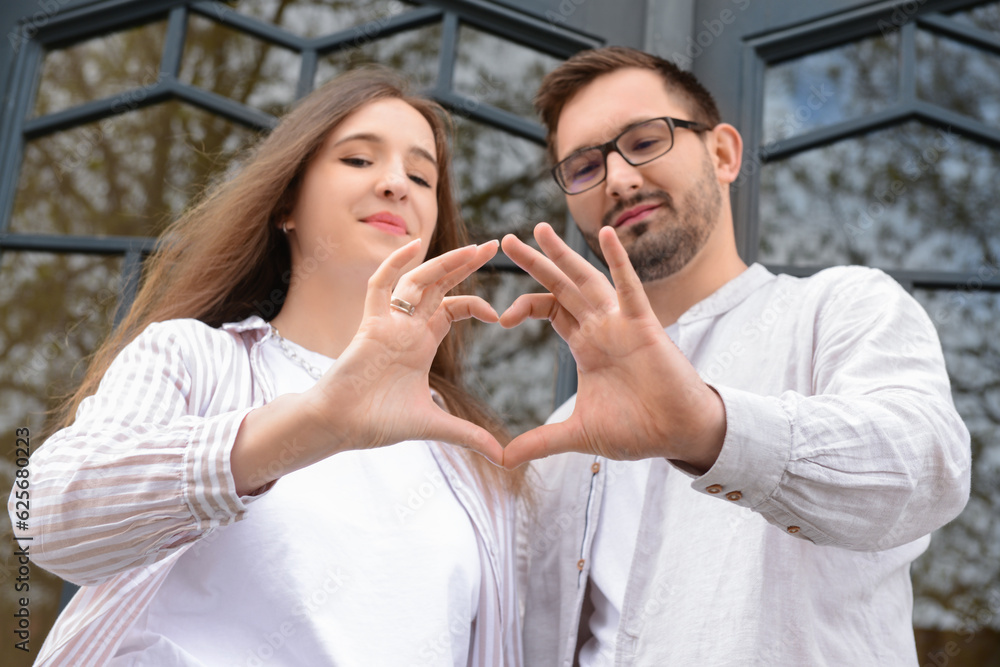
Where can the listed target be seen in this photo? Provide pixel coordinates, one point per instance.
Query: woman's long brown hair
(226, 259)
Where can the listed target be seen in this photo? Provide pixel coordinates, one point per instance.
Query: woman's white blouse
(378, 557)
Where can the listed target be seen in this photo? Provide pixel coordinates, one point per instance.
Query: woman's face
(370, 189)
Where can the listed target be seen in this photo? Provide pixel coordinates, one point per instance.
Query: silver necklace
(314, 372)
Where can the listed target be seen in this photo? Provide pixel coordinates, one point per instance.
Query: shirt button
(596, 468)
(715, 488)
(734, 496)
(579, 564)
(793, 529)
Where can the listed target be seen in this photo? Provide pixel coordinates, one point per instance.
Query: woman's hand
(377, 393)
(380, 382)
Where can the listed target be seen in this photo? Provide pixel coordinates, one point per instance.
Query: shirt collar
(729, 295)
(253, 323)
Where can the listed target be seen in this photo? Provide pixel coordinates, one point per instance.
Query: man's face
(663, 211)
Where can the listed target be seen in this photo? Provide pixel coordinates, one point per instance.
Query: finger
(544, 270)
(454, 431)
(456, 308)
(412, 285)
(591, 282)
(382, 281)
(434, 293)
(537, 444)
(465, 306)
(539, 307)
(632, 299)
(529, 306)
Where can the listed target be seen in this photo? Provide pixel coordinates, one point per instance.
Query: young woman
(222, 488)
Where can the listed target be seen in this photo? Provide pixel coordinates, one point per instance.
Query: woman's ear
(727, 152)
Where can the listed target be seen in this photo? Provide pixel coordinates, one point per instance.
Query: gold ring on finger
(402, 305)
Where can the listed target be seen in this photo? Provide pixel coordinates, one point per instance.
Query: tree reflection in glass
(125, 175)
(910, 197)
(957, 582)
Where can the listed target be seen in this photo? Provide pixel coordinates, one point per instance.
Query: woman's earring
(284, 227)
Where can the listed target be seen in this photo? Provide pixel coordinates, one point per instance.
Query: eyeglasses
(638, 144)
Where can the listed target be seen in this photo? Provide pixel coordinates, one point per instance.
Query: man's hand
(638, 396)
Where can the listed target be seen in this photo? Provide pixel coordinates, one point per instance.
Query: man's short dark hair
(565, 81)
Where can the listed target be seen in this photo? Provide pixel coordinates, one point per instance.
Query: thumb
(537, 444)
(454, 431)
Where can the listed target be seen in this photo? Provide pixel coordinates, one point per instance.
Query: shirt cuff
(755, 451)
(209, 488)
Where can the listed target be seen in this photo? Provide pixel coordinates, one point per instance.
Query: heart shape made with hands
(637, 396)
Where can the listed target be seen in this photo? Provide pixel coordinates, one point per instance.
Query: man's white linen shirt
(843, 451)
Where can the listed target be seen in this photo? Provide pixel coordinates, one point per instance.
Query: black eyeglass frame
(609, 146)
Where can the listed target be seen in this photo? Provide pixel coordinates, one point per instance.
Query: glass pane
(503, 183)
(910, 197)
(830, 86)
(986, 17)
(54, 310)
(413, 52)
(514, 370)
(496, 71)
(311, 18)
(235, 65)
(955, 584)
(126, 175)
(958, 77)
(100, 67)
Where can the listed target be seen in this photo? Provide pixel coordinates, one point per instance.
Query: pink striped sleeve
(144, 468)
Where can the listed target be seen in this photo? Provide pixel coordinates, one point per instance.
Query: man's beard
(665, 250)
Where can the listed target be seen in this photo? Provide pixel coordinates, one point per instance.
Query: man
(751, 462)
